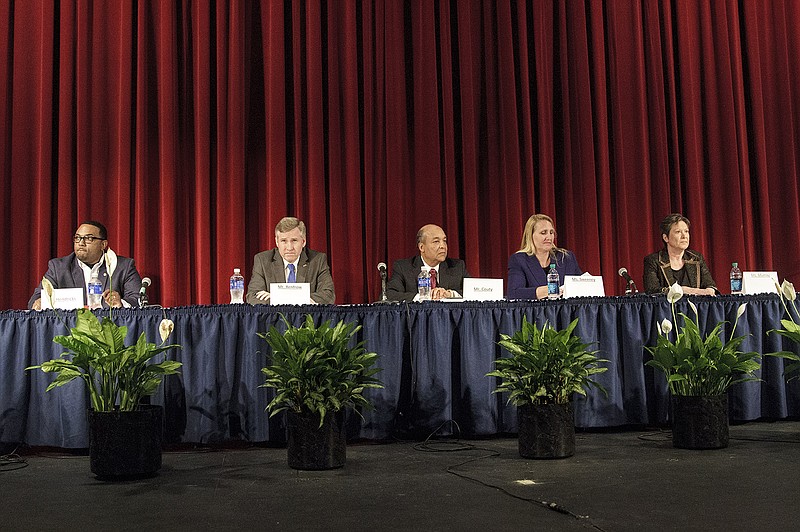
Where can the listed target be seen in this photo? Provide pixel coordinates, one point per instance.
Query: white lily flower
(740, 310)
(694, 309)
(47, 287)
(47, 290)
(165, 329)
(665, 326)
(675, 293)
(787, 289)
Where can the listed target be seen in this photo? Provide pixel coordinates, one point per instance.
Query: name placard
(289, 293)
(759, 283)
(64, 298)
(585, 285)
(477, 289)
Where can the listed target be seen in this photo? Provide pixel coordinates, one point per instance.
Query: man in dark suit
(290, 262)
(91, 255)
(449, 273)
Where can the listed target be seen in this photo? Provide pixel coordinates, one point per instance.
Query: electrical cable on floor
(666, 435)
(545, 504)
(457, 445)
(444, 446)
(656, 435)
(12, 461)
(763, 440)
(194, 449)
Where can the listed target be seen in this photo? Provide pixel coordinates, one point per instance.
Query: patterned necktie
(433, 278)
(291, 278)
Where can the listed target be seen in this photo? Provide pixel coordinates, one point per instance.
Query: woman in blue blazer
(528, 267)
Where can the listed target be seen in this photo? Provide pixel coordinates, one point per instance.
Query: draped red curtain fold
(191, 127)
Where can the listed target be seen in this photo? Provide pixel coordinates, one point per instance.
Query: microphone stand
(382, 271)
(384, 299)
(143, 302)
(630, 288)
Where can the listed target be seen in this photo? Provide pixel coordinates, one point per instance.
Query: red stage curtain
(191, 127)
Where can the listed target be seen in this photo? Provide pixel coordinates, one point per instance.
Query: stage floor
(617, 481)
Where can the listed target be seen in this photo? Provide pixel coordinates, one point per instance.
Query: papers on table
(289, 293)
(586, 285)
(64, 298)
(759, 283)
(477, 289)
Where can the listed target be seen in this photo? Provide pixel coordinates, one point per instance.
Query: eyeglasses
(86, 238)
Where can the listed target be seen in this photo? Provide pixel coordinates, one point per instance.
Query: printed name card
(64, 298)
(289, 293)
(759, 283)
(476, 289)
(585, 285)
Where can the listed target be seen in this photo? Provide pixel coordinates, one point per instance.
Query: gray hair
(288, 223)
(424, 231)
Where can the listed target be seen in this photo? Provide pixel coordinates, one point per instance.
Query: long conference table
(434, 357)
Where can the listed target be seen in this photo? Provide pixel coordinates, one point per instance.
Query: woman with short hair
(676, 263)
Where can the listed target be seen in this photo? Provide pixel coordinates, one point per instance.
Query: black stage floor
(624, 480)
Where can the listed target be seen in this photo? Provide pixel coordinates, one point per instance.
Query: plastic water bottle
(736, 279)
(424, 285)
(95, 292)
(237, 286)
(553, 282)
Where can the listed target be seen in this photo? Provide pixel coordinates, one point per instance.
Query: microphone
(145, 283)
(143, 292)
(382, 271)
(631, 286)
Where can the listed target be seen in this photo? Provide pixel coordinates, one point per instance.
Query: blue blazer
(525, 274)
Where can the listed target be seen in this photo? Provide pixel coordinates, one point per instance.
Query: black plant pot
(312, 447)
(126, 444)
(700, 422)
(546, 431)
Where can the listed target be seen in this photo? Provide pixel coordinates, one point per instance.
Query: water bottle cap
(735, 264)
(236, 270)
(552, 266)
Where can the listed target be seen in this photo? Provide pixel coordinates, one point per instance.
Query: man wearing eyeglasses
(91, 255)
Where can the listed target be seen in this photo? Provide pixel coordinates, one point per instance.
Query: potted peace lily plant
(699, 372)
(791, 329)
(124, 435)
(317, 372)
(545, 369)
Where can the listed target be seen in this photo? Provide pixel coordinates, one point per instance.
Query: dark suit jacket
(403, 284)
(658, 273)
(525, 274)
(312, 267)
(64, 272)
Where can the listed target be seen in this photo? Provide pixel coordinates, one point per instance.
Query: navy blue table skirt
(434, 357)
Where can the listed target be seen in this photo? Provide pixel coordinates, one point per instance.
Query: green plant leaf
(318, 369)
(694, 364)
(116, 375)
(545, 365)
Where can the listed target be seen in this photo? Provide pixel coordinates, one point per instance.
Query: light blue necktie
(291, 278)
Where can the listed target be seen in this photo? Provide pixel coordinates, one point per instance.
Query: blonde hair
(527, 246)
